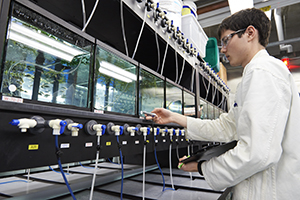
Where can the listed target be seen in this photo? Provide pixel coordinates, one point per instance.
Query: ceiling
(212, 12)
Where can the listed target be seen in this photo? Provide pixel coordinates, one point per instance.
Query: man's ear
(251, 32)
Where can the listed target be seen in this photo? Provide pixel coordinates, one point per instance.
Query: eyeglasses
(225, 40)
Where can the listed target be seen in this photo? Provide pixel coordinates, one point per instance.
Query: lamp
(37, 40)
(116, 72)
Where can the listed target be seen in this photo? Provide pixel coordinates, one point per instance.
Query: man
(265, 164)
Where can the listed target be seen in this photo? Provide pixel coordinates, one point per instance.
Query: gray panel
(179, 172)
(155, 192)
(178, 181)
(21, 188)
(57, 177)
(90, 170)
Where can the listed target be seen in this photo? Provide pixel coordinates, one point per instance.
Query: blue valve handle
(15, 122)
(121, 130)
(157, 131)
(80, 126)
(148, 131)
(174, 132)
(103, 129)
(180, 133)
(62, 124)
(135, 129)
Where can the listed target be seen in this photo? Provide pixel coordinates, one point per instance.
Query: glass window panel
(203, 109)
(151, 91)
(189, 104)
(115, 88)
(42, 64)
(173, 98)
(210, 111)
(217, 113)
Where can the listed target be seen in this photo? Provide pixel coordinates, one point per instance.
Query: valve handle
(148, 131)
(80, 126)
(121, 130)
(15, 122)
(103, 129)
(62, 124)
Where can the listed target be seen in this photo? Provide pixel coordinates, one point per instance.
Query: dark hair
(245, 18)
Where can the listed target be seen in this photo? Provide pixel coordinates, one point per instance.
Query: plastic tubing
(91, 15)
(95, 169)
(192, 80)
(122, 171)
(188, 151)
(123, 28)
(144, 168)
(61, 169)
(164, 59)
(182, 69)
(170, 163)
(158, 51)
(162, 175)
(83, 12)
(140, 34)
(176, 62)
(207, 91)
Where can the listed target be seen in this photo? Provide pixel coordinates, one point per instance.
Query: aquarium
(173, 98)
(151, 91)
(203, 109)
(189, 104)
(210, 112)
(217, 113)
(115, 85)
(44, 61)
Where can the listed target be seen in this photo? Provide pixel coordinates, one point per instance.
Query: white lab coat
(265, 121)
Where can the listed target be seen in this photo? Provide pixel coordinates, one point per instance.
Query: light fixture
(116, 72)
(37, 40)
(237, 5)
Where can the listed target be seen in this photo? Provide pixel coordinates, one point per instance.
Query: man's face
(233, 47)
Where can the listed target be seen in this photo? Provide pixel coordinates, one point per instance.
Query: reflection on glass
(151, 92)
(217, 113)
(40, 65)
(189, 104)
(203, 109)
(210, 111)
(115, 88)
(173, 98)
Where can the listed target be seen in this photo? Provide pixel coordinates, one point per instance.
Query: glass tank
(173, 98)
(116, 78)
(217, 113)
(43, 63)
(210, 112)
(203, 109)
(189, 105)
(151, 91)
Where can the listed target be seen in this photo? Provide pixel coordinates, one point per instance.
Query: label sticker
(164, 140)
(12, 99)
(65, 145)
(108, 143)
(137, 142)
(99, 111)
(88, 144)
(124, 142)
(33, 147)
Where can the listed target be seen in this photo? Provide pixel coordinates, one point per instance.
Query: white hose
(144, 168)
(95, 169)
(188, 149)
(83, 12)
(123, 28)
(170, 163)
(91, 15)
(163, 63)
(141, 31)
(182, 69)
